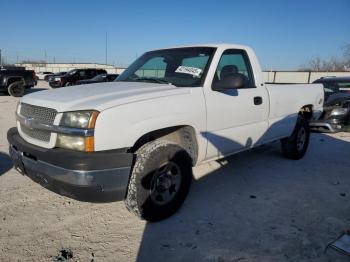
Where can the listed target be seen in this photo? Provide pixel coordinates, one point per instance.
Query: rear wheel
(295, 146)
(160, 180)
(16, 89)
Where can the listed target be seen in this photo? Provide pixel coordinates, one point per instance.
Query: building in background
(65, 67)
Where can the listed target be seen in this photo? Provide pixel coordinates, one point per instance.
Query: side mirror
(235, 81)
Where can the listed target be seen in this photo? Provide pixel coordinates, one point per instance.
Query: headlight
(339, 111)
(79, 143)
(57, 79)
(79, 119)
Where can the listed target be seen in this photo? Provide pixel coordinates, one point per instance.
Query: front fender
(122, 126)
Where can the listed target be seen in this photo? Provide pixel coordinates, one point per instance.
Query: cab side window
(82, 73)
(234, 62)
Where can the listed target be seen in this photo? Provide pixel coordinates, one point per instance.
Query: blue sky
(284, 34)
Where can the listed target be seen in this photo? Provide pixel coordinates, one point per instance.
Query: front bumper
(325, 127)
(330, 124)
(55, 84)
(92, 177)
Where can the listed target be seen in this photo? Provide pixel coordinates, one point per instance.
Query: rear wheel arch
(306, 112)
(13, 79)
(185, 136)
(295, 146)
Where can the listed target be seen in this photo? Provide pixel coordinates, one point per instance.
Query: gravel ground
(255, 206)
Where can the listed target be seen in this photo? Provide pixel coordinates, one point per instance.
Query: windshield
(72, 72)
(179, 66)
(99, 77)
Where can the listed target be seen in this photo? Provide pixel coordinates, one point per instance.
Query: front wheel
(160, 180)
(295, 146)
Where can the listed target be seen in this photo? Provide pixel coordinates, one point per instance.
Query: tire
(295, 146)
(16, 89)
(68, 84)
(160, 180)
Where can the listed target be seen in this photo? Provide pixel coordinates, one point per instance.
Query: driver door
(236, 118)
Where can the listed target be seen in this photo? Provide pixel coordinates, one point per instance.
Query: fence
(298, 77)
(64, 67)
(268, 76)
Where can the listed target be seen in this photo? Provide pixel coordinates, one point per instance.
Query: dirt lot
(255, 206)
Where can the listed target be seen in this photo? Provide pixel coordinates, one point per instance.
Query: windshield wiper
(151, 79)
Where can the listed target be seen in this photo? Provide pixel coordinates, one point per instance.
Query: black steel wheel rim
(165, 184)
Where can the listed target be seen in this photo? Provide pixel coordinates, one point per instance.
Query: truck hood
(337, 99)
(101, 96)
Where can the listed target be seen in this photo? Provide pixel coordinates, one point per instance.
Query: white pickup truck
(136, 139)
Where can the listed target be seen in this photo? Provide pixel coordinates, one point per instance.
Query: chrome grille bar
(32, 123)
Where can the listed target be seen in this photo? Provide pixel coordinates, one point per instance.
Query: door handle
(258, 100)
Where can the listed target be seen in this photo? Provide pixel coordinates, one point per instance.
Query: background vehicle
(51, 77)
(15, 81)
(336, 114)
(137, 138)
(75, 75)
(42, 75)
(98, 79)
(46, 78)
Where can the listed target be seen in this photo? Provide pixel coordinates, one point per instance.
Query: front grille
(43, 115)
(42, 135)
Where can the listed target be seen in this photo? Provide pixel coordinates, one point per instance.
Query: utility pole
(0, 59)
(106, 49)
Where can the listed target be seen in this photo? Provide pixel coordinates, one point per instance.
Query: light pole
(0, 59)
(106, 49)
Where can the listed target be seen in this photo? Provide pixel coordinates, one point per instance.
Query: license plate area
(17, 161)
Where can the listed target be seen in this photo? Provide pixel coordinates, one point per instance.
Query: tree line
(331, 64)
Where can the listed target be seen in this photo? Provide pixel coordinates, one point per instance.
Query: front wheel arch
(184, 136)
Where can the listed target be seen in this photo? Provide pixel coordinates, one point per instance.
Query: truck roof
(222, 45)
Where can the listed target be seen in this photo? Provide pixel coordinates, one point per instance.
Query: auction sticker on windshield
(189, 70)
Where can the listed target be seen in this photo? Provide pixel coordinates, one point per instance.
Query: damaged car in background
(336, 109)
